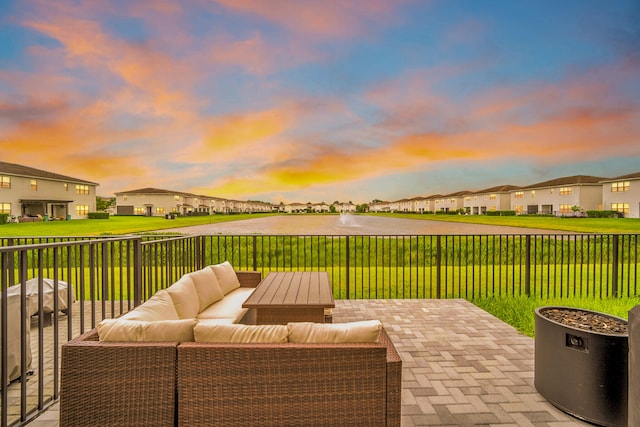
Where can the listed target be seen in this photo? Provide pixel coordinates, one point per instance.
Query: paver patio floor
(461, 365)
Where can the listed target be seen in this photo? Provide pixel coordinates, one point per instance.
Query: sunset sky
(300, 101)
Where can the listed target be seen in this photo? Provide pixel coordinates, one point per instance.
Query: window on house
(519, 194)
(82, 189)
(160, 211)
(5, 181)
(66, 186)
(34, 184)
(518, 209)
(492, 208)
(176, 198)
(467, 199)
(565, 208)
(492, 196)
(82, 210)
(533, 193)
(565, 191)
(5, 208)
(620, 207)
(617, 187)
(124, 197)
(139, 211)
(551, 191)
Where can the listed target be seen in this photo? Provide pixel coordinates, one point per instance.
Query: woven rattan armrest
(249, 279)
(117, 383)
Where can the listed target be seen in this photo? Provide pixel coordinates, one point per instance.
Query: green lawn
(115, 225)
(578, 225)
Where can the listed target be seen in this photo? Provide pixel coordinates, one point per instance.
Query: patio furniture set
(225, 348)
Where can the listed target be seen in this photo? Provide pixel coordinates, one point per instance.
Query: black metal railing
(109, 276)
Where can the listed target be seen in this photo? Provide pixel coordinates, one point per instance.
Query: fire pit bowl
(581, 363)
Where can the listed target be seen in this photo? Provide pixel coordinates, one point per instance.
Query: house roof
(627, 176)
(498, 189)
(150, 190)
(26, 171)
(567, 180)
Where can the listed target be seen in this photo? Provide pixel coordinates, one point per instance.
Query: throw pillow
(227, 277)
(185, 297)
(207, 287)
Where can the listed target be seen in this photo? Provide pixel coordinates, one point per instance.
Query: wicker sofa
(184, 383)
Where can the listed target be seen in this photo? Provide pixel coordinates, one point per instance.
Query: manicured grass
(115, 225)
(518, 311)
(578, 225)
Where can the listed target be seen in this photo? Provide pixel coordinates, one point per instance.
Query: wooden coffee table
(284, 297)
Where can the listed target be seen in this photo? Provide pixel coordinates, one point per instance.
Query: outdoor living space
(461, 365)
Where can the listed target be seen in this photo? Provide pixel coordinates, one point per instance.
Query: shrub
(603, 214)
(492, 213)
(98, 215)
(4, 218)
(507, 213)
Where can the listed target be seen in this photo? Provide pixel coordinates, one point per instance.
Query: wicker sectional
(222, 384)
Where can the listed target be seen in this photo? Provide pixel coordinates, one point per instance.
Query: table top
(292, 289)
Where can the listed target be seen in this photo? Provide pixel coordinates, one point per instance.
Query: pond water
(350, 225)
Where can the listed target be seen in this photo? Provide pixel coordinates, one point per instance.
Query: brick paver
(461, 366)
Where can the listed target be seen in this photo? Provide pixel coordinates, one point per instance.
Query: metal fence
(110, 276)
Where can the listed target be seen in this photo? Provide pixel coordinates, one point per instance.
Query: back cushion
(227, 277)
(352, 332)
(140, 330)
(207, 287)
(212, 331)
(158, 307)
(185, 298)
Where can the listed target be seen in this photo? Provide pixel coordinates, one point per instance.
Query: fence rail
(110, 276)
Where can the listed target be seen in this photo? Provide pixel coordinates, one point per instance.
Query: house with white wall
(152, 202)
(27, 192)
(622, 194)
(496, 198)
(559, 196)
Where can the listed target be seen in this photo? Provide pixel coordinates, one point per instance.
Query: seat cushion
(351, 332)
(140, 330)
(229, 307)
(227, 277)
(158, 307)
(206, 331)
(185, 297)
(207, 287)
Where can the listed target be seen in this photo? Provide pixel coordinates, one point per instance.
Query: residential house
(622, 194)
(490, 199)
(26, 192)
(560, 196)
(153, 202)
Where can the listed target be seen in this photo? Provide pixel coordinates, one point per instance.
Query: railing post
(527, 266)
(438, 266)
(347, 267)
(614, 265)
(137, 272)
(255, 253)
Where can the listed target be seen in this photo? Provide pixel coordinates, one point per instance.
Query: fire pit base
(582, 372)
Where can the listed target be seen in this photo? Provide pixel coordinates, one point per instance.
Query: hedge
(603, 214)
(4, 218)
(98, 215)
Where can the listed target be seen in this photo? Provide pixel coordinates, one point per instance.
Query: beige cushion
(227, 277)
(207, 287)
(212, 332)
(229, 307)
(185, 298)
(158, 307)
(307, 332)
(140, 330)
